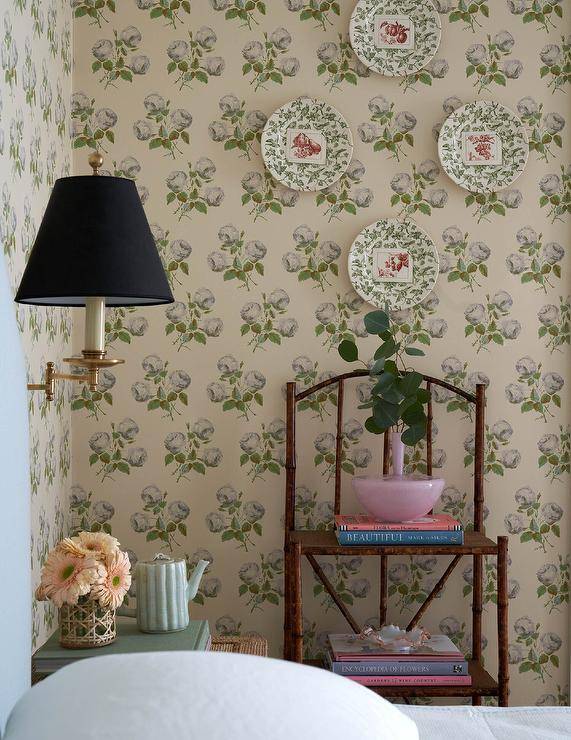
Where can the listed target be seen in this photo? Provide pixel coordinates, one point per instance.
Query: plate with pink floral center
(307, 144)
(483, 146)
(395, 37)
(394, 263)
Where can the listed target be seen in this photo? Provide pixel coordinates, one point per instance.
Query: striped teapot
(163, 593)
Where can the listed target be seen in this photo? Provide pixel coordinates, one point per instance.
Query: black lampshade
(94, 240)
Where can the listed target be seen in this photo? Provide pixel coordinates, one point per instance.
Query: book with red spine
(412, 680)
(365, 523)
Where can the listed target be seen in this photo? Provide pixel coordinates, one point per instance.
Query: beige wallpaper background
(164, 459)
(35, 88)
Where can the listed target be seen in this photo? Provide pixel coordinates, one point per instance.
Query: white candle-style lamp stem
(94, 325)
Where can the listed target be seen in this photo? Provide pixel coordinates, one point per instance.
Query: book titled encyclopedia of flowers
(399, 668)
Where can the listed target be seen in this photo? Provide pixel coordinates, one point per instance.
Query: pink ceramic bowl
(397, 498)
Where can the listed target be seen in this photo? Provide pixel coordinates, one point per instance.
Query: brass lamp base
(93, 362)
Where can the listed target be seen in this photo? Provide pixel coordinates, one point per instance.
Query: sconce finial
(95, 161)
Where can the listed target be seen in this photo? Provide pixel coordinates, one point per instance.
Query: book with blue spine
(399, 667)
(416, 537)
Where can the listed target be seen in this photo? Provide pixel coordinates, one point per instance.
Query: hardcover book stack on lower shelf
(432, 529)
(435, 663)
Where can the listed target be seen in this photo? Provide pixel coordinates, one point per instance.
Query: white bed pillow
(202, 696)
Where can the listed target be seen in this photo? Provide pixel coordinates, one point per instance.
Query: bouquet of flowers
(87, 568)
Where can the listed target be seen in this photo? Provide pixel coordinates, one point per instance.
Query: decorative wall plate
(395, 37)
(307, 144)
(393, 262)
(483, 146)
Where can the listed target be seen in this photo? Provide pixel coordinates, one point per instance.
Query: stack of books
(432, 529)
(437, 662)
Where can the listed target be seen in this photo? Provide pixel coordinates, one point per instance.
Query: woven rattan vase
(86, 625)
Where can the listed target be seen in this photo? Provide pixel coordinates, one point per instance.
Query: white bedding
(491, 723)
(217, 696)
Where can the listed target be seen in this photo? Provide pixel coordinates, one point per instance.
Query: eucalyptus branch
(397, 400)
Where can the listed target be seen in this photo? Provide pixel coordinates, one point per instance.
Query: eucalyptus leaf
(414, 351)
(392, 395)
(378, 366)
(414, 414)
(371, 427)
(391, 367)
(387, 349)
(409, 383)
(384, 382)
(376, 322)
(413, 434)
(386, 414)
(348, 351)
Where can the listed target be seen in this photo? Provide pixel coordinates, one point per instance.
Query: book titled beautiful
(412, 680)
(350, 647)
(363, 522)
(420, 537)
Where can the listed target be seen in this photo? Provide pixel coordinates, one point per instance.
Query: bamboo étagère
(310, 544)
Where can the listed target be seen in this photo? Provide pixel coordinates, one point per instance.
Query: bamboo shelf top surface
(482, 685)
(325, 543)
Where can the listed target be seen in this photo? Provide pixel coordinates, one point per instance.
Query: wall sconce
(94, 248)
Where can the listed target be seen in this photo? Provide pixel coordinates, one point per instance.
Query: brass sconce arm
(92, 364)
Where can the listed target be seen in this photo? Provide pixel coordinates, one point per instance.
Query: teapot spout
(194, 580)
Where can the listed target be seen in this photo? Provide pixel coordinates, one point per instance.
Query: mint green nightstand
(51, 656)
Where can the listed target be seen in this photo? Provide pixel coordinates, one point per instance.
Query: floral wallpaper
(35, 88)
(182, 449)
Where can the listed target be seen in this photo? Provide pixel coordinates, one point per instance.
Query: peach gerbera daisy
(66, 577)
(112, 588)
(95, 544)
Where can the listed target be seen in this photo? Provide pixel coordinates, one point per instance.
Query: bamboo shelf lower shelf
(325, 543)
(482, 685)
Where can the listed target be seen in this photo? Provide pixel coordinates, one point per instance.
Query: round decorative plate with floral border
(393, 262)
(483, 146)
(395, 37)
(307, 144)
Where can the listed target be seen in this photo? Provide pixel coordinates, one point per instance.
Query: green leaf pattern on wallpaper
(35, 89)
(182, 448)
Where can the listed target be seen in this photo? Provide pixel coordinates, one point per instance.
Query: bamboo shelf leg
(289, 517)
(477, 607)
(503, 667)
(297, 652)
(288, 587)
(383, 591)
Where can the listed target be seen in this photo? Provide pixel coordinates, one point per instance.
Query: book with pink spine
(365, 523)
(412, 680)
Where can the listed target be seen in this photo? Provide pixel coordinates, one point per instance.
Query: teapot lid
(161, 559)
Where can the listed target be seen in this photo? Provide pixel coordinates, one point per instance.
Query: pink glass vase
(397, 497)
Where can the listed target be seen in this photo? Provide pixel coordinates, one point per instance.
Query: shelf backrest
(293, 397)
